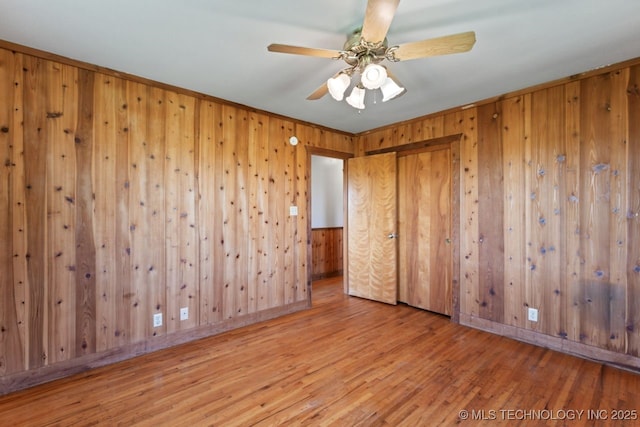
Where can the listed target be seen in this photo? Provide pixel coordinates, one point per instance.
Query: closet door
(424, 228)
(371, 227)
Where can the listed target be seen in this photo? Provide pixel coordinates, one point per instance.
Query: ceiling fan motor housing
(360, 53)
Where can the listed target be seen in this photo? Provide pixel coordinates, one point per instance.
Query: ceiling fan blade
(319, 93)
(308, 51)
(455, 43)
(377, 19)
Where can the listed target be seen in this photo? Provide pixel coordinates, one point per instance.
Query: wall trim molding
(30, 378)
(584, 351)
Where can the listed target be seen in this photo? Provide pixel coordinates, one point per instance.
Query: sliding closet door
(425, 212)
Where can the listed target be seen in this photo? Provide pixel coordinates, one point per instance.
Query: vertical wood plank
(555, 253)
(276, 211)
(228, 196)
(617, 130)
(106, 212)
(173, 210)
(155, 153)
(633, 216)
(219, 179)
(290, 221)
(146, 109)
(60, 110)
(571, 233)
(18, 210)
(302, 232)
(241, 208)
(253, 213)
(431, 127)
(537, 210)
(529, 292)
(262, 224)
(464, 122)
(402, 134)
(490, 214)
(124, 225)
(206, 208)
(35, 150)
(85, 262)
(513, 141)
(12, 345)
(137, 107)
(595, 197)
(181, 244)
(547, 176)
(189, 291)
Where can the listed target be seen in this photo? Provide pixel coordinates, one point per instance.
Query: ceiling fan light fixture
(338, 85)
(356, 99)
(390, 89)
(373, 76)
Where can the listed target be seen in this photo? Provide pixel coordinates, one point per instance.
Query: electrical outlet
(293, 210)
(533, 314)
(184, 313)
(157, 320)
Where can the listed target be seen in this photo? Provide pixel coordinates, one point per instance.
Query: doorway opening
(327, 216)
(327, 202)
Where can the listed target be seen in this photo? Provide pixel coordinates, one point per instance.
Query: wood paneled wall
(327, 247)
(550, 204)
(120, 199)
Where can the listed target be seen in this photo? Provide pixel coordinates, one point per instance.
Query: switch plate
(184, 313)
(157, 320)
(293, 210)
(533, 314)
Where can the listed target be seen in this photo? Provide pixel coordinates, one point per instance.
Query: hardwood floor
(346, 361)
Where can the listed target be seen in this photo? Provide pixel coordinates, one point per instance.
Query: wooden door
(424, 228)
(371, 227)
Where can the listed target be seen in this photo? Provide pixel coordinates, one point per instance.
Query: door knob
(392, 236)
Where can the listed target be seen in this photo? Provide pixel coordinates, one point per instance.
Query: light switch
(293, 210)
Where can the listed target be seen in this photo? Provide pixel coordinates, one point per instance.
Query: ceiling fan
(367, 47)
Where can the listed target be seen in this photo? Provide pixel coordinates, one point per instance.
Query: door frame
(324, 152)
(453, 141)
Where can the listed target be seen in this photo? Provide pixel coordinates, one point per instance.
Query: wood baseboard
(321, 276)
(22, 380)
(619, 360)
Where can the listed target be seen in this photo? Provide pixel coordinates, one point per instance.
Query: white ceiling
(219, 47)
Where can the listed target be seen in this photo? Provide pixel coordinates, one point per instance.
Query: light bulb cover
(356, 99)
(373, 76)
(338, 85)
(390, 89)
